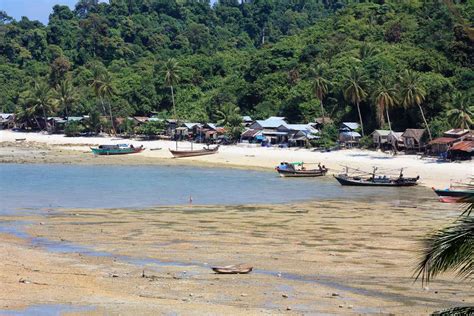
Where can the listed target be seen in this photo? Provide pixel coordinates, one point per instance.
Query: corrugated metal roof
(382, 132)
(442, 140)
(467, 146)
(246, 118)
(414, 133)
(351, 125)
(272, 122)
(352, 134)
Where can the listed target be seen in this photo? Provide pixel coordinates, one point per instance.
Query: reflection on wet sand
(317, 257)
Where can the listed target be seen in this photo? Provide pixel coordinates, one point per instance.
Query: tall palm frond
(65, 96)
(171, 76)
(461, 111)
(354, 90)
(413, 92)
(385, 97)
(451, 248)
(320, 86)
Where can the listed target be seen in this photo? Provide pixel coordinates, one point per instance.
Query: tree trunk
(67, 112)
(360, 118)
(112, 119)
(45, 119)
(424, 120)
(175, 117)
(322, 109)
(388, 119)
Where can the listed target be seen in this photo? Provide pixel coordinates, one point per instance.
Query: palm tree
(385, 97)
(171, 79)
(320, 86)
(65, 96)
(227, 113)
(39, 98)
(96, 83)
(461, 111)
(354, 90)
(101, 82)
(451, 248)
(107, 91)
(412, 92)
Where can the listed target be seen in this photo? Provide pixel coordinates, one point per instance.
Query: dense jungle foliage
(396, 60)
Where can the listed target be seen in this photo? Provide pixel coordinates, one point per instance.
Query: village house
(269, 129)
(441, 145)
(395, 139)
(7, 120)
(413, 139)
(348, 134)
(463, 150)
(380, 138)
(320, 122)
(247, 120)
(298, 135)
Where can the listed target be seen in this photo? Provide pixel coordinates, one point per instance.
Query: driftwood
(233, 269)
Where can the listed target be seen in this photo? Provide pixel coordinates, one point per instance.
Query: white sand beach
(431, 172)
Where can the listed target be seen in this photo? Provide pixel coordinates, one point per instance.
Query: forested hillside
(268, 57)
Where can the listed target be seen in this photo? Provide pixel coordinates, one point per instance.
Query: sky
(34, 9)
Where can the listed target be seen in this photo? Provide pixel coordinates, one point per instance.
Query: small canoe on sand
(233, 269)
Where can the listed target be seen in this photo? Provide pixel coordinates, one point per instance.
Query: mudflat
(331, 257)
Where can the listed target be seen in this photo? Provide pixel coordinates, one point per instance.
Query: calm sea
(36, 186)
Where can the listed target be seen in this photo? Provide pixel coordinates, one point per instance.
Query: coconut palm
(461, 111)
(320, 86)
(171, 79)
(450, 249)
(354, 90)
(96, 83)
(385, 97)
(226, 114)
(39, 98)
(412, 92)
(107, 91)
(65, 96)
(101, 83)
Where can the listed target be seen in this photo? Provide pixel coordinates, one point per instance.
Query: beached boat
(374, 180)
(233, 269)
(454, 194)
(121, 149)
(194, 153)
(297, 169)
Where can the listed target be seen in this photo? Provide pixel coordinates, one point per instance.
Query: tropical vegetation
(404, 62)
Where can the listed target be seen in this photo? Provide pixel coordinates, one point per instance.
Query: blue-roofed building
(348, 134)
(273, 122)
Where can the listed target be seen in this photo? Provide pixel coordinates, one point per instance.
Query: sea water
(35, 186)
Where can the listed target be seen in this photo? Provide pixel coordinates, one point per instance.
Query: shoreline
(42, 148)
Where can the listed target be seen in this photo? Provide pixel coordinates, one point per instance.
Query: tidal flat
(319, 257)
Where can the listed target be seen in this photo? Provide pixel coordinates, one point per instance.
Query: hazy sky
(34, 9)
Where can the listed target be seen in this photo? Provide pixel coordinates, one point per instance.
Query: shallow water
(39, 186)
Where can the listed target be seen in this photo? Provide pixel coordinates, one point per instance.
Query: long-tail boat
(194, 153)
(121, 149)
(374, 180)
(297, 169)
(454, 194)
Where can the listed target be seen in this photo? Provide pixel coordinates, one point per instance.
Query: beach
(61, 149)
(322, 256)
(311, 258)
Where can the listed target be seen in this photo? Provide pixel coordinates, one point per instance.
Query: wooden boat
(373, 180)
(233, 269)
(454, 194)
(121, 149)
(297, 169)
(194, 153)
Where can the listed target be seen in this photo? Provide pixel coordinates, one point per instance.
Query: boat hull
(344, 180)
(119, 151)
(193, 153)
(301, 173)
(453, 193)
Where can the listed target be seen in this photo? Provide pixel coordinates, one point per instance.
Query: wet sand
(328, 257)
